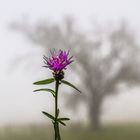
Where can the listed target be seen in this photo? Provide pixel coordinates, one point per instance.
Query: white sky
(17, 102)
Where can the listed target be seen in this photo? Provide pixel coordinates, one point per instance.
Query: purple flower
(58, 60)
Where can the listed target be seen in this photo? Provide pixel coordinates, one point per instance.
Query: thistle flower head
(58, 60)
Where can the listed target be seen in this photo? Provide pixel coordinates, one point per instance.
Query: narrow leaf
(44, 82)
(69, 84)
(46, 89)
(58, 111)
(48, 115)
(61, 122)
(63, 119)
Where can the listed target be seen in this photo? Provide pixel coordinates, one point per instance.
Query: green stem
(56, 125)
(59, 138)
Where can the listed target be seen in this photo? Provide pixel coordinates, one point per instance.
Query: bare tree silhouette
(101, 73)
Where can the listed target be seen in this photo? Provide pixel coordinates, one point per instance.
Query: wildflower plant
(57, 63)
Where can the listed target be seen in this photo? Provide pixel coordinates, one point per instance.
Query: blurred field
(109, 132)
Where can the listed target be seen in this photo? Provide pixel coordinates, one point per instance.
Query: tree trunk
(94, 112)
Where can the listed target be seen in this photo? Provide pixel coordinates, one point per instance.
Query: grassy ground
(110, 132)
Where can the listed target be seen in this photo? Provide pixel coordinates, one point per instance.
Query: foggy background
(91, 29)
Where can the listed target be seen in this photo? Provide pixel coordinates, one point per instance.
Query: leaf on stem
(69, 84)
(46, 89)
(63, 119)
(44, 82)
(61, 122)
(48, 115)
(58, 111)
